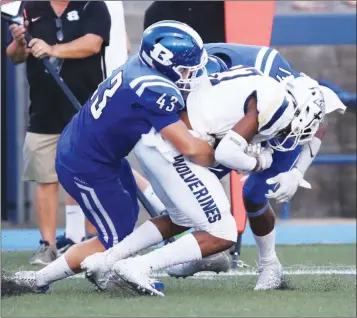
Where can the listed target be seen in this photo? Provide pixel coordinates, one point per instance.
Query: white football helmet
(309, 112)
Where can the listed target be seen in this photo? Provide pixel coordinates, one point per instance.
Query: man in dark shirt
(73, 34)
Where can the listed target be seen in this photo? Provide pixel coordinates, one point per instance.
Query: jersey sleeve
(160, 98)
(274, 110)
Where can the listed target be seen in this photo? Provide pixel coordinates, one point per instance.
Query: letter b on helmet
(161, 54)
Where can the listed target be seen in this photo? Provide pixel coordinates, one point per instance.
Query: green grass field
(321, 282)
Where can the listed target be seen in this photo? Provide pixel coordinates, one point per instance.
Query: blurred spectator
(73, 34)
(206, 17)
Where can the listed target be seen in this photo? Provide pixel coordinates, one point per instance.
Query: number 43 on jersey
(163, 105)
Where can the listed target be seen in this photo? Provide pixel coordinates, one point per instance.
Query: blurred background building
(334, 182)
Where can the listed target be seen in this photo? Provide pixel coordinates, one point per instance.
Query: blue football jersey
(126, 105)
(265, 59)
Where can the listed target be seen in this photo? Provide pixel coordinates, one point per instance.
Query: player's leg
(148, 234)
(90, 229)
(67, 264)
(196, 199)
(75, 226)
(108, 206)
(219, 262)
(64, 266)
(192, 194)
(262, 218)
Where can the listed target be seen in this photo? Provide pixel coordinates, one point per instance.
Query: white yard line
(288, 271)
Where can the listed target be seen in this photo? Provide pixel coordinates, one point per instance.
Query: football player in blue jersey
(141, 95)
(281, 180)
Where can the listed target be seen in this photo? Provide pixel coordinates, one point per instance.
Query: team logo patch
(73, 15)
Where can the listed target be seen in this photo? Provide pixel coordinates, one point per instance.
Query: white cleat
(23, 282)
(98, 271)
(270, 276)
(136, 275)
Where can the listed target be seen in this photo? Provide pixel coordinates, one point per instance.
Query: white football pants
(193, 196)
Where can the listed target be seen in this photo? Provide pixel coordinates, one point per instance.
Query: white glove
(211, 140)
(288, 184)
(265, 159)
(254, 150)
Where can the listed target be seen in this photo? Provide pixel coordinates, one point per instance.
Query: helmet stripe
(276, 115)
(182, 27)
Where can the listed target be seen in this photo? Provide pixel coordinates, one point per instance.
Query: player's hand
(288, 184)
(265, 159)
(254, 149)
(40, 48)
(18, 33)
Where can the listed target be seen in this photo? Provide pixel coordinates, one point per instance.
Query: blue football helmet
(215, 65)
(175, 50)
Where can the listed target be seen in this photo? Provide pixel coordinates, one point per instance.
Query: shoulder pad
(157, 94)
(274, 109)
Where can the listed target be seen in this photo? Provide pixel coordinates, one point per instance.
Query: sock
(154, 200)
(144, 236)
(75, 223)
(185, 249)
(56, 270)
(266, 247)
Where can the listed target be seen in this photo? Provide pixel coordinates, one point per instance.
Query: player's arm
(163, 101)
(197, 150)
(310, 150)
(231, 150)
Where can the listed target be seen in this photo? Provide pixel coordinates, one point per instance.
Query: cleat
(63, 244)
(23, 282)
(98, 271)
(136, 275)
(217, 263)
(270, 276)
(45, 255)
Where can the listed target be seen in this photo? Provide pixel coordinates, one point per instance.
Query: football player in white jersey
(237, 107)
(283, 178)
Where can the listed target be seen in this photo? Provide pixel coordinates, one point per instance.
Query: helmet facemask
(191, 76)
(308, 115)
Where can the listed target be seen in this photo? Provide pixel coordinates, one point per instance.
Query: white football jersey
(220, 101)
